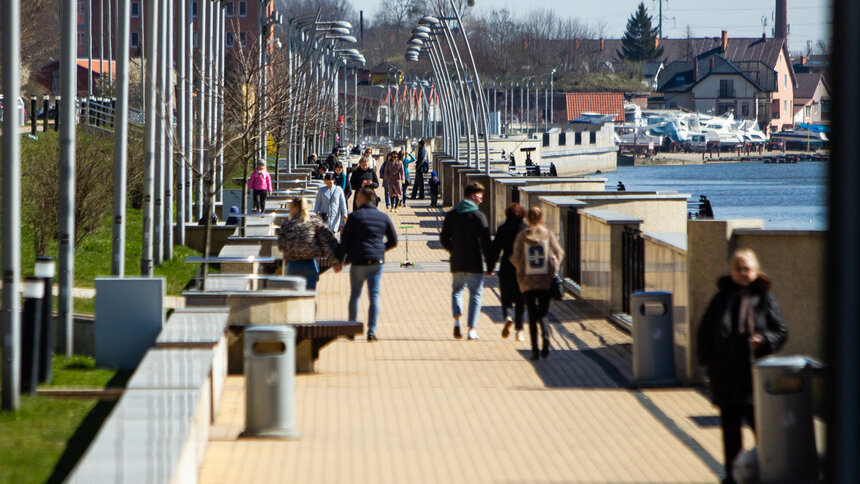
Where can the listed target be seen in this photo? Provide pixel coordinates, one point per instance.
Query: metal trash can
(653, 344)
(270, 382)
(785, 431)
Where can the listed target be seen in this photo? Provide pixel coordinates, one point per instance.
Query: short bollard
(31, 323)
(270, 382)
(44, 270)
(785, 431)
(653, 343)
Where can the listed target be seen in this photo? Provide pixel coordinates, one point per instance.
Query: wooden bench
(311, 338)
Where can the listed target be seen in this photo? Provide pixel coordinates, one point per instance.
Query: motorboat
(802, 137)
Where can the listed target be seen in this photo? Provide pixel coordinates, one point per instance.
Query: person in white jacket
(330, 204)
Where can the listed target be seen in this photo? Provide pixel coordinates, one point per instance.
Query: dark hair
(328, 176)
(472, 189)
(338, 165)
(367, 193)
(516, 211)
(421, 142)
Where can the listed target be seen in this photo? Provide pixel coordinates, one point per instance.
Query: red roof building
(607, 103)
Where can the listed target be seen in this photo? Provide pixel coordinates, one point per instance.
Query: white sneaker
(521, 335)
(473, 334)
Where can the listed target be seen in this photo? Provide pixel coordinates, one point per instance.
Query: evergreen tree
(638, 41)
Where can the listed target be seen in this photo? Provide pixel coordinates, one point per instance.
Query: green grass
(43, 440)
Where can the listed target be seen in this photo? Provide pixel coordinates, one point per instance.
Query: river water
(785, 196)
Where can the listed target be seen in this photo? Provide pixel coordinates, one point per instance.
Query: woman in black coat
(742, 323)
(503, 244)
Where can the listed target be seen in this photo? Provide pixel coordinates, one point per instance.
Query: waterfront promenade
(420, 406)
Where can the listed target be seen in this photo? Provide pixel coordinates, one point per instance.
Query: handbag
(556, 289)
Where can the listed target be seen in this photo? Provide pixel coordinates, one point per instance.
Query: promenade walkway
(420, 406)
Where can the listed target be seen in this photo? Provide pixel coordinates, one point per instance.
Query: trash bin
(270, 381)
(785, 432)
(653, 344)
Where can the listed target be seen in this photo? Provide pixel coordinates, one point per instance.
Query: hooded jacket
(466, 236)
(724, 334)
(537, 256)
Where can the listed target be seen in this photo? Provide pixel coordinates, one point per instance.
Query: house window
(562, 138)
(135, 40)
(727, 88)
(825, 110)
(229, 40)
(243, 39)
(195, 40)
(785, 81)
(592, 137)
(785, 106)
(815, 108)
(808, 110)
(194, 9)
(745, 110)
(228, 10)
(577, 138)
(546, 139)
(135, 9)
(775, 109)
(243, 9)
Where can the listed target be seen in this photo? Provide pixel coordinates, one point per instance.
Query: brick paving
(419, 406)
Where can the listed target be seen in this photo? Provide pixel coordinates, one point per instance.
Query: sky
(809, 20)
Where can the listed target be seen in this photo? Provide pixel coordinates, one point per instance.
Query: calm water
(787, 196)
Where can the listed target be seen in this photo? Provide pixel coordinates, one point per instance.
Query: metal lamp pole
(120, 138)
(66, 116)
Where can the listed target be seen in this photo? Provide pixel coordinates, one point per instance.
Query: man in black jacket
(422, 164)
(466, 236)
(331, 160)
(363, 246)
(362, 176)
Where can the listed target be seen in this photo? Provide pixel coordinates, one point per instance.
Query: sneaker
(506, 331)
(521, 336)
(457, 333)
(473, 334)
(371, 337)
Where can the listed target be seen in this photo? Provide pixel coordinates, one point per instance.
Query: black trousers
(537, 303)
(731, 418)
(259, 198)
(418, 187)
(512, 298)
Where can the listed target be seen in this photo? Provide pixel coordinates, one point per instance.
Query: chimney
(695, 69)
(602, 44)
(780, 27)
(725, 42)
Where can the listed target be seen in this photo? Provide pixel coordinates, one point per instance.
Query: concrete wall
(504, 187)
(601, 258)
(584, 157)
(666, 270)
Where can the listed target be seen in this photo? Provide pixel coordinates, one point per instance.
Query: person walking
(742, 323)
(433, 183)
(536, 256)
(385, 192)
(302, 240)
(466, 236)
(406, 158)
(363, 176)
(503, 245)
(422, 164)
(332, 159)
(367, 235)
(368, 155)
(260, 185)
(330, 204)
(394, 177)
(342, 180)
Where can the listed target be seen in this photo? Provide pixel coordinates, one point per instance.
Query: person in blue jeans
(466, 235)
(367, 235)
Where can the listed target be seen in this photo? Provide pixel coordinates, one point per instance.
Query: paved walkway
(419, 406)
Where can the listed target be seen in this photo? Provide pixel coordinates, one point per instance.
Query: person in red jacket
(260, 185)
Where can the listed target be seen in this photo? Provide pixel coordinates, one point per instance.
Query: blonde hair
(303, 207)
(534, 216)
(744, 254)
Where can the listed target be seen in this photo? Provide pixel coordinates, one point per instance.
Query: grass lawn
(43, 440)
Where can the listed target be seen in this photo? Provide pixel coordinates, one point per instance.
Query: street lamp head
(339, 30)
(420, 35)
(421, 29)
(428, 20)
(348, 39)
(338, 23)
(415, 42)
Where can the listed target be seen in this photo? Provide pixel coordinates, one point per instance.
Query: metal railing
(100, 113)
(632, 265)
(574, 247)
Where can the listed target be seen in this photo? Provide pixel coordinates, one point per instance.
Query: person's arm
(517, 254)
(318, 202)
(328, 243)
(345, 240)
(556, 250)
(269, 182)
(251, 180)
(496, 247)
(375, 183)
(445, 234)
(354, 182)
(390, 234)
(776, 334)
(486, 245)
(704, 335)
(343, 209)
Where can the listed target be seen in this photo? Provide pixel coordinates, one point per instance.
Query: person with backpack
(433, 183)
(536, 257)
(466, 236)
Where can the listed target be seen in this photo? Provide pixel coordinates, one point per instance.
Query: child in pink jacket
(260, 185)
